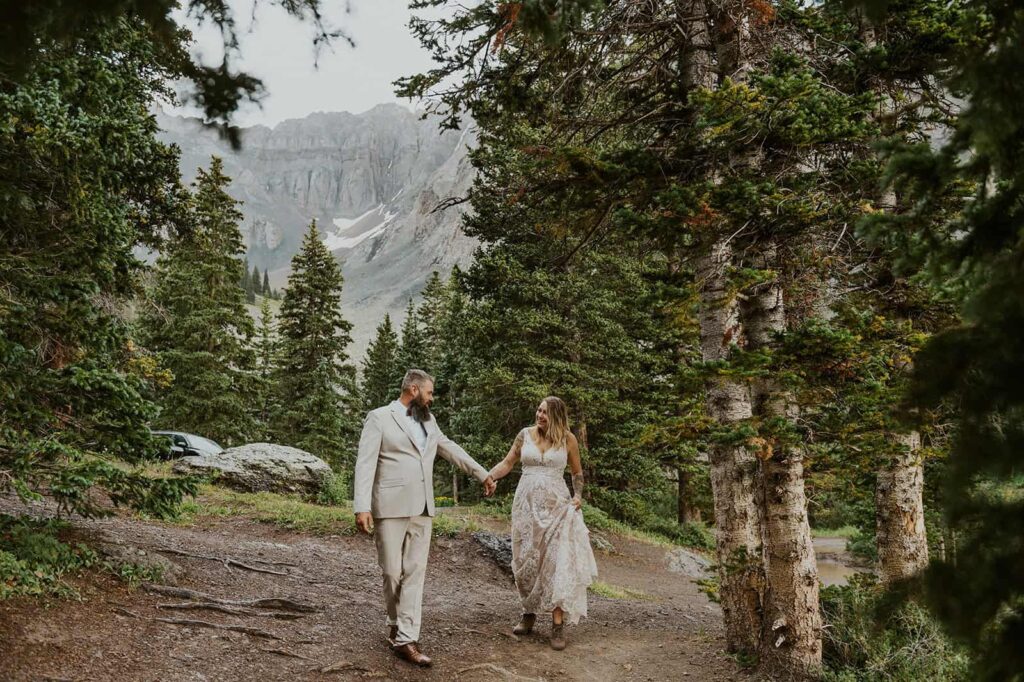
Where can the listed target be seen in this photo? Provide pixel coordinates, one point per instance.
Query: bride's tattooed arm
(502, 468)
(576, 466)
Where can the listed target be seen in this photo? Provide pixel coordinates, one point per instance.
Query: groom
(394, 491)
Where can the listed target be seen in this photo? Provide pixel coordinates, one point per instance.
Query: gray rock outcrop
(259, 467)
(688, 563)
(498, 547)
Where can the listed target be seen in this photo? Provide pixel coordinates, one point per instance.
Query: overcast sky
(279, 50)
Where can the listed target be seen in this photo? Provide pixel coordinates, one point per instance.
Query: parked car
(183, 444)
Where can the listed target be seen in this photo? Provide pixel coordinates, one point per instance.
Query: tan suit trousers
(403, 546)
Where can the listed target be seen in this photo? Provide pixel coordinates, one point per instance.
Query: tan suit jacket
(393, 477)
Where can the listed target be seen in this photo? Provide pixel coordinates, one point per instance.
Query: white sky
(279, 50)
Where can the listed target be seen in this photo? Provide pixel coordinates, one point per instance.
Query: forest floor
(649, 622)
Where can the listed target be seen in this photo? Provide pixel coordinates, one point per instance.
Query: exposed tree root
(254, 632)
(230, 610)
(273, 603)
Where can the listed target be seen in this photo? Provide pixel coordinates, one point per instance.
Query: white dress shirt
(419, 429)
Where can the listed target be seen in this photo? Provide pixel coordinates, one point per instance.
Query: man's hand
(364, 522)
(489, 486)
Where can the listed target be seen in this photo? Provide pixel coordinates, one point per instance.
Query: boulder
(688, 563)
(259, 467)
(498, 547)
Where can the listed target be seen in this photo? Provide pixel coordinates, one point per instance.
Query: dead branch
(449, 203)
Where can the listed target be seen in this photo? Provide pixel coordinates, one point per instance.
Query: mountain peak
(371, 180)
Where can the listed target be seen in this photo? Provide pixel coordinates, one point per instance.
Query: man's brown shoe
(525, 625)
(410, 652)
(392, 635)
(557, 637)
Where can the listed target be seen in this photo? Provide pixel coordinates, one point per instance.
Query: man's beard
(419, 410)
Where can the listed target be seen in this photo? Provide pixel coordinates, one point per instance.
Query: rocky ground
(654, 625)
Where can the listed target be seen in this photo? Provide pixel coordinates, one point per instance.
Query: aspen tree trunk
(791, 636)
(733, 467)
(899, 496)
(899, 514)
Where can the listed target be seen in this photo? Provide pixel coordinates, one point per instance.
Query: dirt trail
(668, 632)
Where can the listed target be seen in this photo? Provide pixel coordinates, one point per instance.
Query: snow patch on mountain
(360, 228)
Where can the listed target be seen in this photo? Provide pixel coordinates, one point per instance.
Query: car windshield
(204, 444)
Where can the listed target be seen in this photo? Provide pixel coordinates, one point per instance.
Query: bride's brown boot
(525, 625)
(557, 636)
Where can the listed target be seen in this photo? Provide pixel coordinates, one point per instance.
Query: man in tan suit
(394, 492)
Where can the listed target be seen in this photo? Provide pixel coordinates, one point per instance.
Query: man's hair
(415, 377)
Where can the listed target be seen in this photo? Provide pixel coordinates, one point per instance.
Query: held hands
(489, 486)
(364, 522)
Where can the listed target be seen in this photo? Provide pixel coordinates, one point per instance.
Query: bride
(551, 555)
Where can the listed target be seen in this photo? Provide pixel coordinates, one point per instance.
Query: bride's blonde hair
(558, 421)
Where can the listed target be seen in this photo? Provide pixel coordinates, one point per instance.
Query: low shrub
(34, 561)
(696, 535)
(866, 642)
(863, 545)
(135, 574)
(334, 490)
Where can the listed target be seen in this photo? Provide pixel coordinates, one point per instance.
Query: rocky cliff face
(371, 181)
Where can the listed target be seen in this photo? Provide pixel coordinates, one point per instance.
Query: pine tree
(245, 282)
(198, 325)
(317, 402)
(266, 354)
(254, 285)
(265, 291)
(412, 353)
(84, 178)
(431, 314)
(28, 37)
(381, 374)
(977, 254)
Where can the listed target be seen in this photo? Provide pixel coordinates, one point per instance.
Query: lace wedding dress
(551, 555)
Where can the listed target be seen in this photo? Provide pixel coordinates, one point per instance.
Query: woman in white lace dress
(551, 555)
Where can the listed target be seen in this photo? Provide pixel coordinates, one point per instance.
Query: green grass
(286, 511)
(846, 532)
(597, 519)
(610, 591)
(295, 513)
(449, 525)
